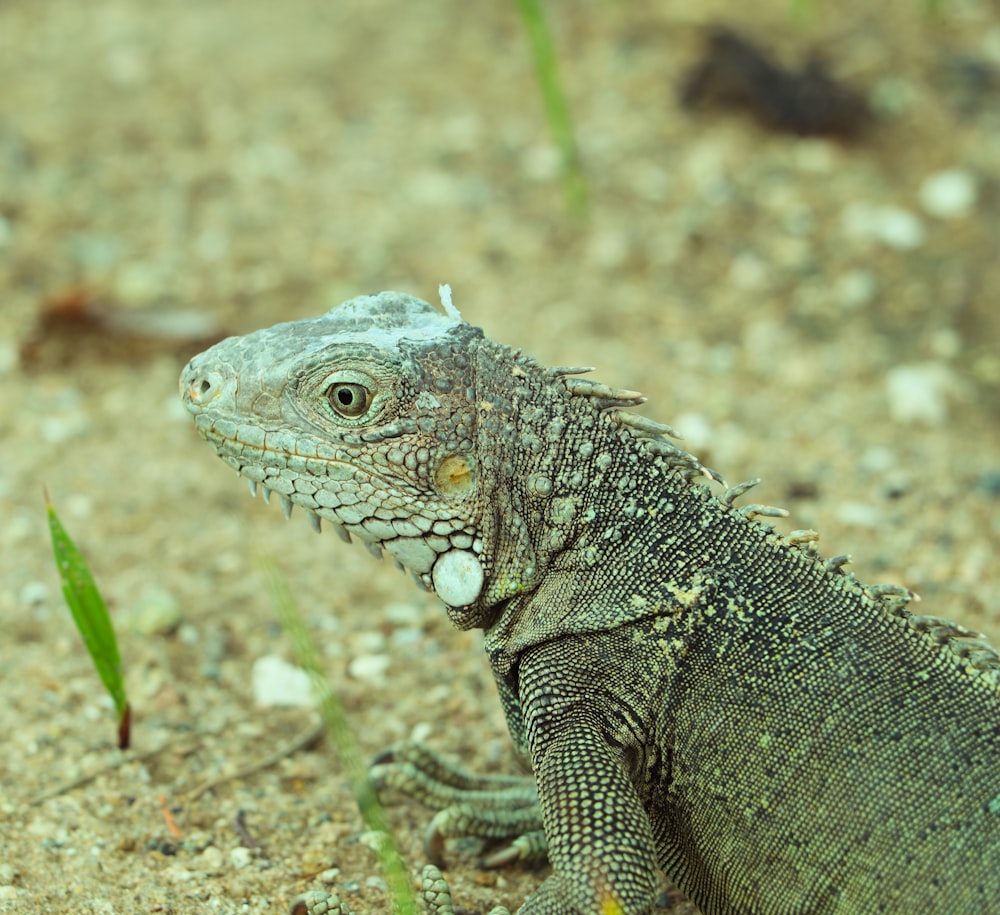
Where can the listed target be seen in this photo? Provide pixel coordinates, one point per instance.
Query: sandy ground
(819, 314)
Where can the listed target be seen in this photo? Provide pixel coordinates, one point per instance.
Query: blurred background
(785, 232)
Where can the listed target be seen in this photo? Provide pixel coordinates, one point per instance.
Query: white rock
(747, 271)
(860, 514)
(892, 226)
(33, 594)
(403, 614)
(608, 249)
(421, 731)
(877, 459)
(696, 431)
(917, 392)
(541, 163)
(10, 357)
(369, 666)
(276, 682)
(156, 612)
(240, 857)
(948, 194)
(140, 282)
(210, 859)
(855, 289)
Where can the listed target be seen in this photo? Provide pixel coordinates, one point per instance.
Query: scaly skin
(694, 692)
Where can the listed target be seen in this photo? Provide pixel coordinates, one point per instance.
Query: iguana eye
(349, 399)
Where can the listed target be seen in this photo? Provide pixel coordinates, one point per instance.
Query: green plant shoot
(346, 744)
(91, 617)
(556, 109)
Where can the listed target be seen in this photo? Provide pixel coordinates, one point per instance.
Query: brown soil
(255, 162)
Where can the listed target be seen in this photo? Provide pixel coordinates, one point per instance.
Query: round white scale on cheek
(458, 578)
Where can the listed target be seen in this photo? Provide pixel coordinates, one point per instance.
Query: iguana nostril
(199, 389)
(200, 386)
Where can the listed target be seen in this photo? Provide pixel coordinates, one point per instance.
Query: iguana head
(366, 418)
(470, 464)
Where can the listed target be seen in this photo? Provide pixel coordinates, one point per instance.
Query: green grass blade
(556, 109)
(91, 617)
(344, 741)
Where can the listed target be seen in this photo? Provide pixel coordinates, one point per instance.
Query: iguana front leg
(600, 839)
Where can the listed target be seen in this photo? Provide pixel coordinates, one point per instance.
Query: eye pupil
(345, 396)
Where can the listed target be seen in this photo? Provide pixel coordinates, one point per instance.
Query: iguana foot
(434, 891)
(318, 902)
(498, 808)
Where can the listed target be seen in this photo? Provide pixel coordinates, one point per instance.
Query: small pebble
(156, 612)
(55, 430)
(860, 514)
(988, 482)
(949, 194)
(403, 614)
(696, 429)
(33, 594)
(877, 459)
(855, 289)
(421, 731)
(917, 392)
(368, 641)
(369, 666)
(140, 283)
(276, 682)
(406, 637)
(541, 163)
(240, 857)
(897, 486)
(95, 253)
(892, 226)
(10, 357)
(210, 859)
(608, 249)
(748, 272)
(373, 839)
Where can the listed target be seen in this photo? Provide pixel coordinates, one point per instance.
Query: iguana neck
(564, 487)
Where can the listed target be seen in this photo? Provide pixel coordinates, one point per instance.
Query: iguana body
(696, 693)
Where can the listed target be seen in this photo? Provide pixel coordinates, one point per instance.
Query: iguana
(696, 693)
